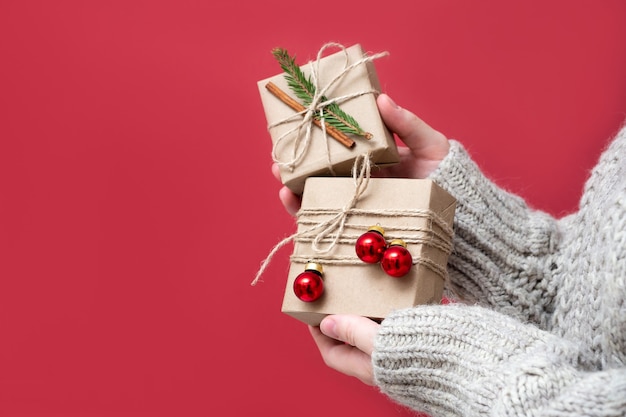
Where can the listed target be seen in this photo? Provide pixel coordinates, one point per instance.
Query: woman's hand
(346, 343)
(424, 150)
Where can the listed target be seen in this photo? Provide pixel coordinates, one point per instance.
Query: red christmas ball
(397, 260)
(371, 245)
(308, 285)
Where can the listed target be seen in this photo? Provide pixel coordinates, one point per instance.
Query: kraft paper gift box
(417, 211)
(324, 156)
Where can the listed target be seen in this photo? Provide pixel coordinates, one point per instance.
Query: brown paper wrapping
(364, 289)
(323, 151)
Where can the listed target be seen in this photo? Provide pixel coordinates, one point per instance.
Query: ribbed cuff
(453, 359)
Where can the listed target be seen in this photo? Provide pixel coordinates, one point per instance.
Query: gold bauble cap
(397, 242)
(377, 229)
(314, 266)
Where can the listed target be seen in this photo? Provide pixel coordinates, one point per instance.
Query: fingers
(276, 171)
(346, 344)
(290, 201)
(423, 141)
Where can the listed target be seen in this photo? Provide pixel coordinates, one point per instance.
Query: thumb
(422, 140)
(356, 331)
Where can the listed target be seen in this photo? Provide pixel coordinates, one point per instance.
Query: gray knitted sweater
(540, 326)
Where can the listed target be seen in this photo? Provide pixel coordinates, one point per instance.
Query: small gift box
(331, 220)
(300, 146)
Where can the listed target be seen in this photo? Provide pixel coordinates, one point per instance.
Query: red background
(136, 200)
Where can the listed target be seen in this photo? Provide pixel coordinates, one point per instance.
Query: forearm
(470, 361)
(502, 248)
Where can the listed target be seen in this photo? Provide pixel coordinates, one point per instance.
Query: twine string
(427, 235)
(361, 170)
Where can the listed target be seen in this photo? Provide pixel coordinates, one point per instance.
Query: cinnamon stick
(285, 98)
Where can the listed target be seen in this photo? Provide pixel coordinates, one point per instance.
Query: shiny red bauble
(308, 285)
(397, 260)
(371, 245)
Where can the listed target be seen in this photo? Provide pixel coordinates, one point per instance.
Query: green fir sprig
(303, 88)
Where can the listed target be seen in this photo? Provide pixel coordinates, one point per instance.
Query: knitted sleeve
(457, 360)
(502, 247)
(523, 343)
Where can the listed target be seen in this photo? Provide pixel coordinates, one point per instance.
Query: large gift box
(417, 211)
(301, 154)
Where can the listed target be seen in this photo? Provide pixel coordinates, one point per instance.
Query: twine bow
(335, 225)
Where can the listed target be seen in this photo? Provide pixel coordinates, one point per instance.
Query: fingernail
(393, 103)
(327, 326)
